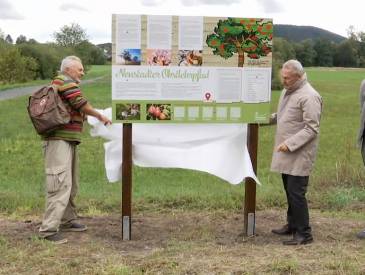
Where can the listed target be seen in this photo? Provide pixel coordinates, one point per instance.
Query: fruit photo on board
(190, 58)
(128, 111)
(158, 111)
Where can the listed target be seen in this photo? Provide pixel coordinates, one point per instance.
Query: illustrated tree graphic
(241, 35)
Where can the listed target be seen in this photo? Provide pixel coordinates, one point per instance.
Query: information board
(187, 69)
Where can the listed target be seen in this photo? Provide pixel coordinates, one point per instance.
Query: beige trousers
(61, 167)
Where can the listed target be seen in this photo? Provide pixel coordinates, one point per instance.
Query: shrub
(48, 57)
(14, 67)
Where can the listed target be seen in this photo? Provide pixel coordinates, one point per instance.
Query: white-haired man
(296, 142)
(61, 157)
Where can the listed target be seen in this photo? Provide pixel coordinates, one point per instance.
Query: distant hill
(299, 33)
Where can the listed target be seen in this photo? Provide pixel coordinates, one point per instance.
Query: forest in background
(25, 59)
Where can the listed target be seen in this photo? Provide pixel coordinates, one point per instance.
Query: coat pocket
(55, 177)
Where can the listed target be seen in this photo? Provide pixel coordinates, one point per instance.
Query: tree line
(320, 53)
(26, 59)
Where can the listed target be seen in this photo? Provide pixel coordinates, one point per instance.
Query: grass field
(336, 192)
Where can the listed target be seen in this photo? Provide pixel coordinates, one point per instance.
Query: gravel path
(16, 92)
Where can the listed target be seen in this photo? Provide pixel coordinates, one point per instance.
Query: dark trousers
(297, 214)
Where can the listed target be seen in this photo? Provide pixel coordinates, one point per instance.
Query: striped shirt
(71, 95)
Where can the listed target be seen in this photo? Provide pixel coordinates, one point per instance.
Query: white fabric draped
(218, 149)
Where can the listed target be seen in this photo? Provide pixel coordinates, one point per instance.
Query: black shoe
(298, 239)
(74, 227)
(56, 239)
(285, 230)
(361, 235)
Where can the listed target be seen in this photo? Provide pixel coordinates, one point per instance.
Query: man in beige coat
(296, 142)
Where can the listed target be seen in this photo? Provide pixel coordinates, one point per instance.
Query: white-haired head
(68, 61)
(71, 66)
(294, 66)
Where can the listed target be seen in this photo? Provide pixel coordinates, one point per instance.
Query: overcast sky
(39, 19)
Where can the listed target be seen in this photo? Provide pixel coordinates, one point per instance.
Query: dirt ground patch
(183, 242)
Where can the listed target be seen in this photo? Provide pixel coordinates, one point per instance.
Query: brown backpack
(47, 110)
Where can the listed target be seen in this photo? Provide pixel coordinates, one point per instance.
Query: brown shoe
(285, 230)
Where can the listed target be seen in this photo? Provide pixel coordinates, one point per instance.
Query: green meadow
(186, 222)
(336, 183)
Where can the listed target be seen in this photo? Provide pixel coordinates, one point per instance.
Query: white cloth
(218, 149)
